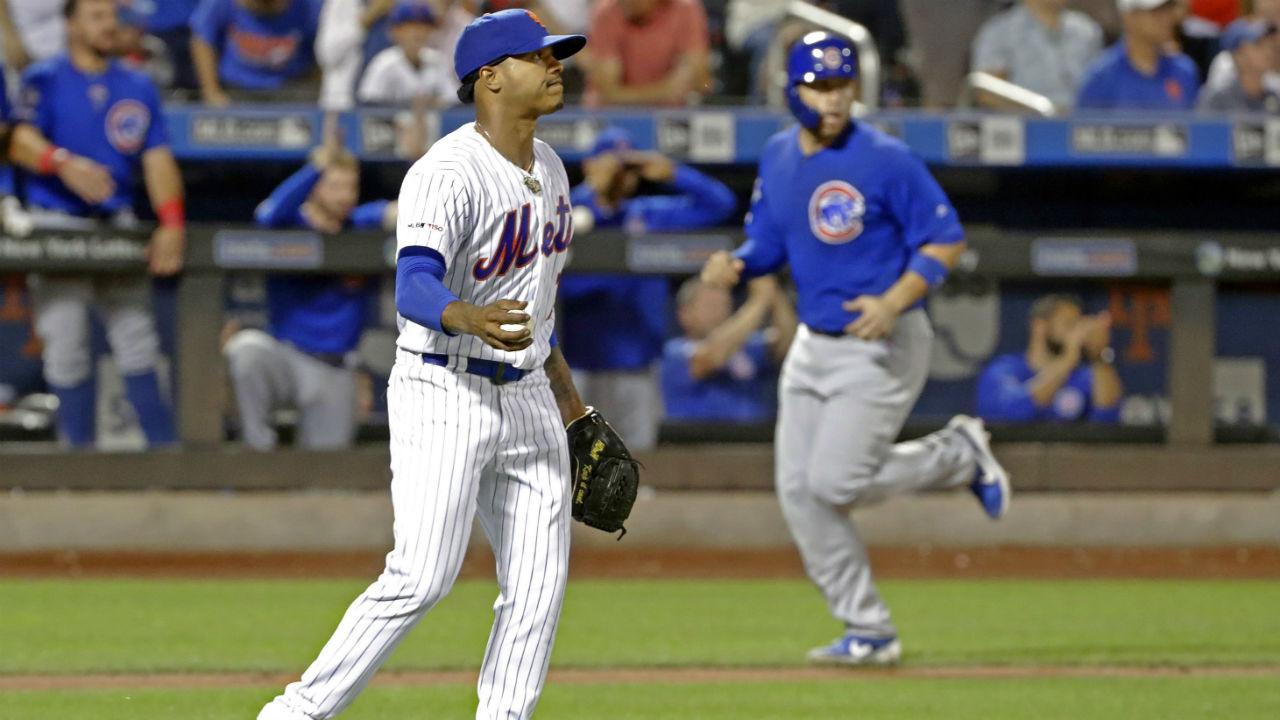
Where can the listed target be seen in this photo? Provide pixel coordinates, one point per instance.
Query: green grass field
(142, 626)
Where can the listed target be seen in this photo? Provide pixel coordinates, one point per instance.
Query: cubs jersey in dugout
(111, 118)
(497, 241)
(847, 218)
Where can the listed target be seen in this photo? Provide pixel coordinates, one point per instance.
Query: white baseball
(526, 326)
(583, 220)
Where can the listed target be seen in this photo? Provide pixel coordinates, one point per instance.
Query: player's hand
(877, 318)
(722, 270)
(165, 251)
(653, 166)
(91, 181)
(485, 322)
(216, 97)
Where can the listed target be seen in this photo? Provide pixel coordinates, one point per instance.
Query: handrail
(863, 43)
(1011, 93)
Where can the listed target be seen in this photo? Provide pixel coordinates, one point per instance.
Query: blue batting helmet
(816, 56)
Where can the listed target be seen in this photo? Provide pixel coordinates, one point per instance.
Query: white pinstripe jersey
(498, 239)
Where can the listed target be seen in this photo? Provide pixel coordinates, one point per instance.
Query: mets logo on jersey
(127, 124)
(835, 212)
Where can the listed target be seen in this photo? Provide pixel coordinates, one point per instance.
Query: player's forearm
(727, 339)
(557, 368)
(28, 147)
(783, 323)
(927, 270)
(1046, 383)
(1107, 388)
(162, 177)
(205, 59)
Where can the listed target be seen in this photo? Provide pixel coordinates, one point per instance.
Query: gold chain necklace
(530, 181)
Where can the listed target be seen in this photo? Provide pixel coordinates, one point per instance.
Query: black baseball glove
(605, 476)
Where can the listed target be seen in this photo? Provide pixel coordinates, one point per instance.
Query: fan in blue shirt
(724, 367)
(1065, 374)
(1138, 73)
(252, 44)
(613, 326)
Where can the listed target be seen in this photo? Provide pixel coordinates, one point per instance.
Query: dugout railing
(1192, 264)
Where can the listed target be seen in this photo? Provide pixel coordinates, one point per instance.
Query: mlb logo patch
(127, 124)
(836, 209)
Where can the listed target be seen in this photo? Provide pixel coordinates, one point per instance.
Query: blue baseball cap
(494, 36)
(1245, 30)
(611, 139)
(411, 11)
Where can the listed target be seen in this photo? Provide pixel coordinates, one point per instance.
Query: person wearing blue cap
(480, 395)
(614, 326)
(411, 70)
(1252, 45)
(867, 233)
(1140, 72)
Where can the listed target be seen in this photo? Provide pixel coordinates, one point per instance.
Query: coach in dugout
(1140, 72)
(1065, 375)
(87, 126)
(614, 326)
(305, 359)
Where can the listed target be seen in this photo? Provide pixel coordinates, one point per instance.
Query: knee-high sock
(154, 415)
(76, 406)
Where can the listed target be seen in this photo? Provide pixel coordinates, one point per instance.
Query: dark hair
(1044, 308)
(70, 8)
(467, 91)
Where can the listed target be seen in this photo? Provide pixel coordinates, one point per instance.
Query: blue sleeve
(420, 294)
(919, 205)
(34, 103)
(584, 196)
(282, 207)
(1003, 395)
(158, 132)
(703, 202)
(6, 111)
(1094, 92)
(1190, 83)
(765, 250)
(209, 21)
(369, 215)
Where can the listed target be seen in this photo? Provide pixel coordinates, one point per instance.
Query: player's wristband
(52, 159)
(929, 268)
(172, 214)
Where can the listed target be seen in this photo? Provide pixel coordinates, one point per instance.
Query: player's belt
(498, 373)
(828, 333)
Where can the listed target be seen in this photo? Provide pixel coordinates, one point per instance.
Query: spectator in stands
(170, 22)
(613, 326)
(254, 45)
(1065, 375)
(724, 367)
(31, 30)
(1223, 73)
(306, 358)
(1141, 72)
(647, 52)
(1252, 44)
(143, 51)
(1040, 45)
(87, 126)
(562, 17)
(411, 69)
(940, 43)
(350, 34)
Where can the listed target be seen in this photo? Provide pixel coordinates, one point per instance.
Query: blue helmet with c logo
(817, 56)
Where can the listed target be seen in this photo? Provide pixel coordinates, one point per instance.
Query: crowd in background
(1094, 54)
(702, 359)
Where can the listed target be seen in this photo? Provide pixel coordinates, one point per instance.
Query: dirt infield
(611, 676)
(894, 562)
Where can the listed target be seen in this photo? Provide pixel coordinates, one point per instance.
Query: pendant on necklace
(533, 184)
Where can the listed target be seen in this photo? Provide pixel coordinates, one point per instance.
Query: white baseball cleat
(854, 650)
(991, 483)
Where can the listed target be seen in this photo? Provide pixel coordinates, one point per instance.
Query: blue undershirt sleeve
(281, 208)
(420, 294)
